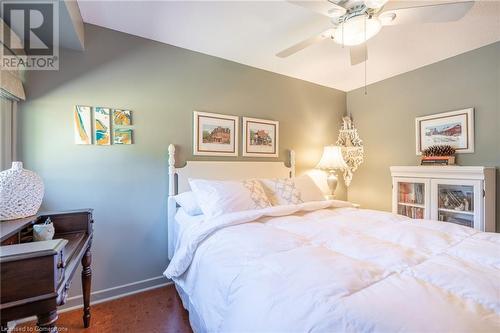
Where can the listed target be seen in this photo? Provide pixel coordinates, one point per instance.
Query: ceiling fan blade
(305, 43)
(359, 54)
(400, 4)
(323, 7)
(444, 12)
(375, 4)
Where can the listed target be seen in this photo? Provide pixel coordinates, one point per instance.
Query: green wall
(127, 185)
(386, 118)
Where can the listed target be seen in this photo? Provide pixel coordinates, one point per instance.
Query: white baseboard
(109, 294)
(119, 291)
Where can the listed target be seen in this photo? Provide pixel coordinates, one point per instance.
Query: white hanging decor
(352, 148)
(21, 192)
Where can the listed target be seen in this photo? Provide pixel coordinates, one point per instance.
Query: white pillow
(309, 191)
(187, 201)
(281, 191)
(221, 197)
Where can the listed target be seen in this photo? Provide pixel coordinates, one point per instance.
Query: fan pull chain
(343, 34)
(366, 58)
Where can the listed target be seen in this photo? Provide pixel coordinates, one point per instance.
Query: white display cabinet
(456, 194)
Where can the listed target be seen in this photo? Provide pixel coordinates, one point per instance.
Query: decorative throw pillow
(187, 201)
(257, 193)
(281, 191)
(221, 197)
(309, 191)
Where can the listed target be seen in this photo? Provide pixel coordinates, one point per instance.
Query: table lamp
(330, 162)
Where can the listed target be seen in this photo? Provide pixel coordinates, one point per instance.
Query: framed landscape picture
(455, 128)
(215, 134)
(260, 137)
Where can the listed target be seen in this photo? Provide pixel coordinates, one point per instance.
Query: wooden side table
(35, 276)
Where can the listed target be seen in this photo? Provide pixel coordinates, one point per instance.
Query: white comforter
(305, 268)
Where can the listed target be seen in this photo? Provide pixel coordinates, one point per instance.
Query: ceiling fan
(356, 21)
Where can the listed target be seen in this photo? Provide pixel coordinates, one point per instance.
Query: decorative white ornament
(352, 148)
(21, 192)
(43, 232)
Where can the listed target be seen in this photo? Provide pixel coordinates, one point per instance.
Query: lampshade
(352, 32)
(332, 159)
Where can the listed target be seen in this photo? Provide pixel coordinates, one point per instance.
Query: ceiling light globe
(354, 30)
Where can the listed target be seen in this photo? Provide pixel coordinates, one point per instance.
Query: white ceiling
(252, 32)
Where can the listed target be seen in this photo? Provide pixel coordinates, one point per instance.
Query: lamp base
(332, 182)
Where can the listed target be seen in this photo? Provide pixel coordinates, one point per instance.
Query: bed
(326, 266)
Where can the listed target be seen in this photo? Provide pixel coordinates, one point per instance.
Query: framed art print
(122, 117)
(102, 126)
(122, 136)
(83, 125)
(260, 137)
(215, 134)
(455, 128)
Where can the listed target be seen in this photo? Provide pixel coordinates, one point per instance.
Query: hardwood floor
(158, 310)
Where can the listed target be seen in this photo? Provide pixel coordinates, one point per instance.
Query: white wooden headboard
(217, 170)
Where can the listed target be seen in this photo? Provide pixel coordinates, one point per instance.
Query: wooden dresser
(35, 276)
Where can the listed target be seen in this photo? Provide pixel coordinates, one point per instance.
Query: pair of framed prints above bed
(218, 135)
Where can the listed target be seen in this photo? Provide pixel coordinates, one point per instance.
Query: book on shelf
(412, 212)
(437, 160)
(419, 193)
(412, 193)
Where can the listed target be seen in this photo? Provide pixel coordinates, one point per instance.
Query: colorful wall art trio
(106, 121)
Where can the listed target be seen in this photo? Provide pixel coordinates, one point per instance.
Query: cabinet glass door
(456, 204)
(411, 199)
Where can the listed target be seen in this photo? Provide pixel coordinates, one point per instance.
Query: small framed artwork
(215, 134)
(122, 117)
(83, 125)
(455, 128)
(102, 126)
(122, 136)
(260, 137)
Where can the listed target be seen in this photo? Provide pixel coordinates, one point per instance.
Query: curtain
(7, 131)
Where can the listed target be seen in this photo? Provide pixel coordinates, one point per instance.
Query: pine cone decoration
(444, 150)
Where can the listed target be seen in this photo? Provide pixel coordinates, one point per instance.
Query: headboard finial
(171, 169)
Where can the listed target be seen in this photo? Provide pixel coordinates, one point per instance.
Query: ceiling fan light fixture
(375, 4)
(352, 32)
